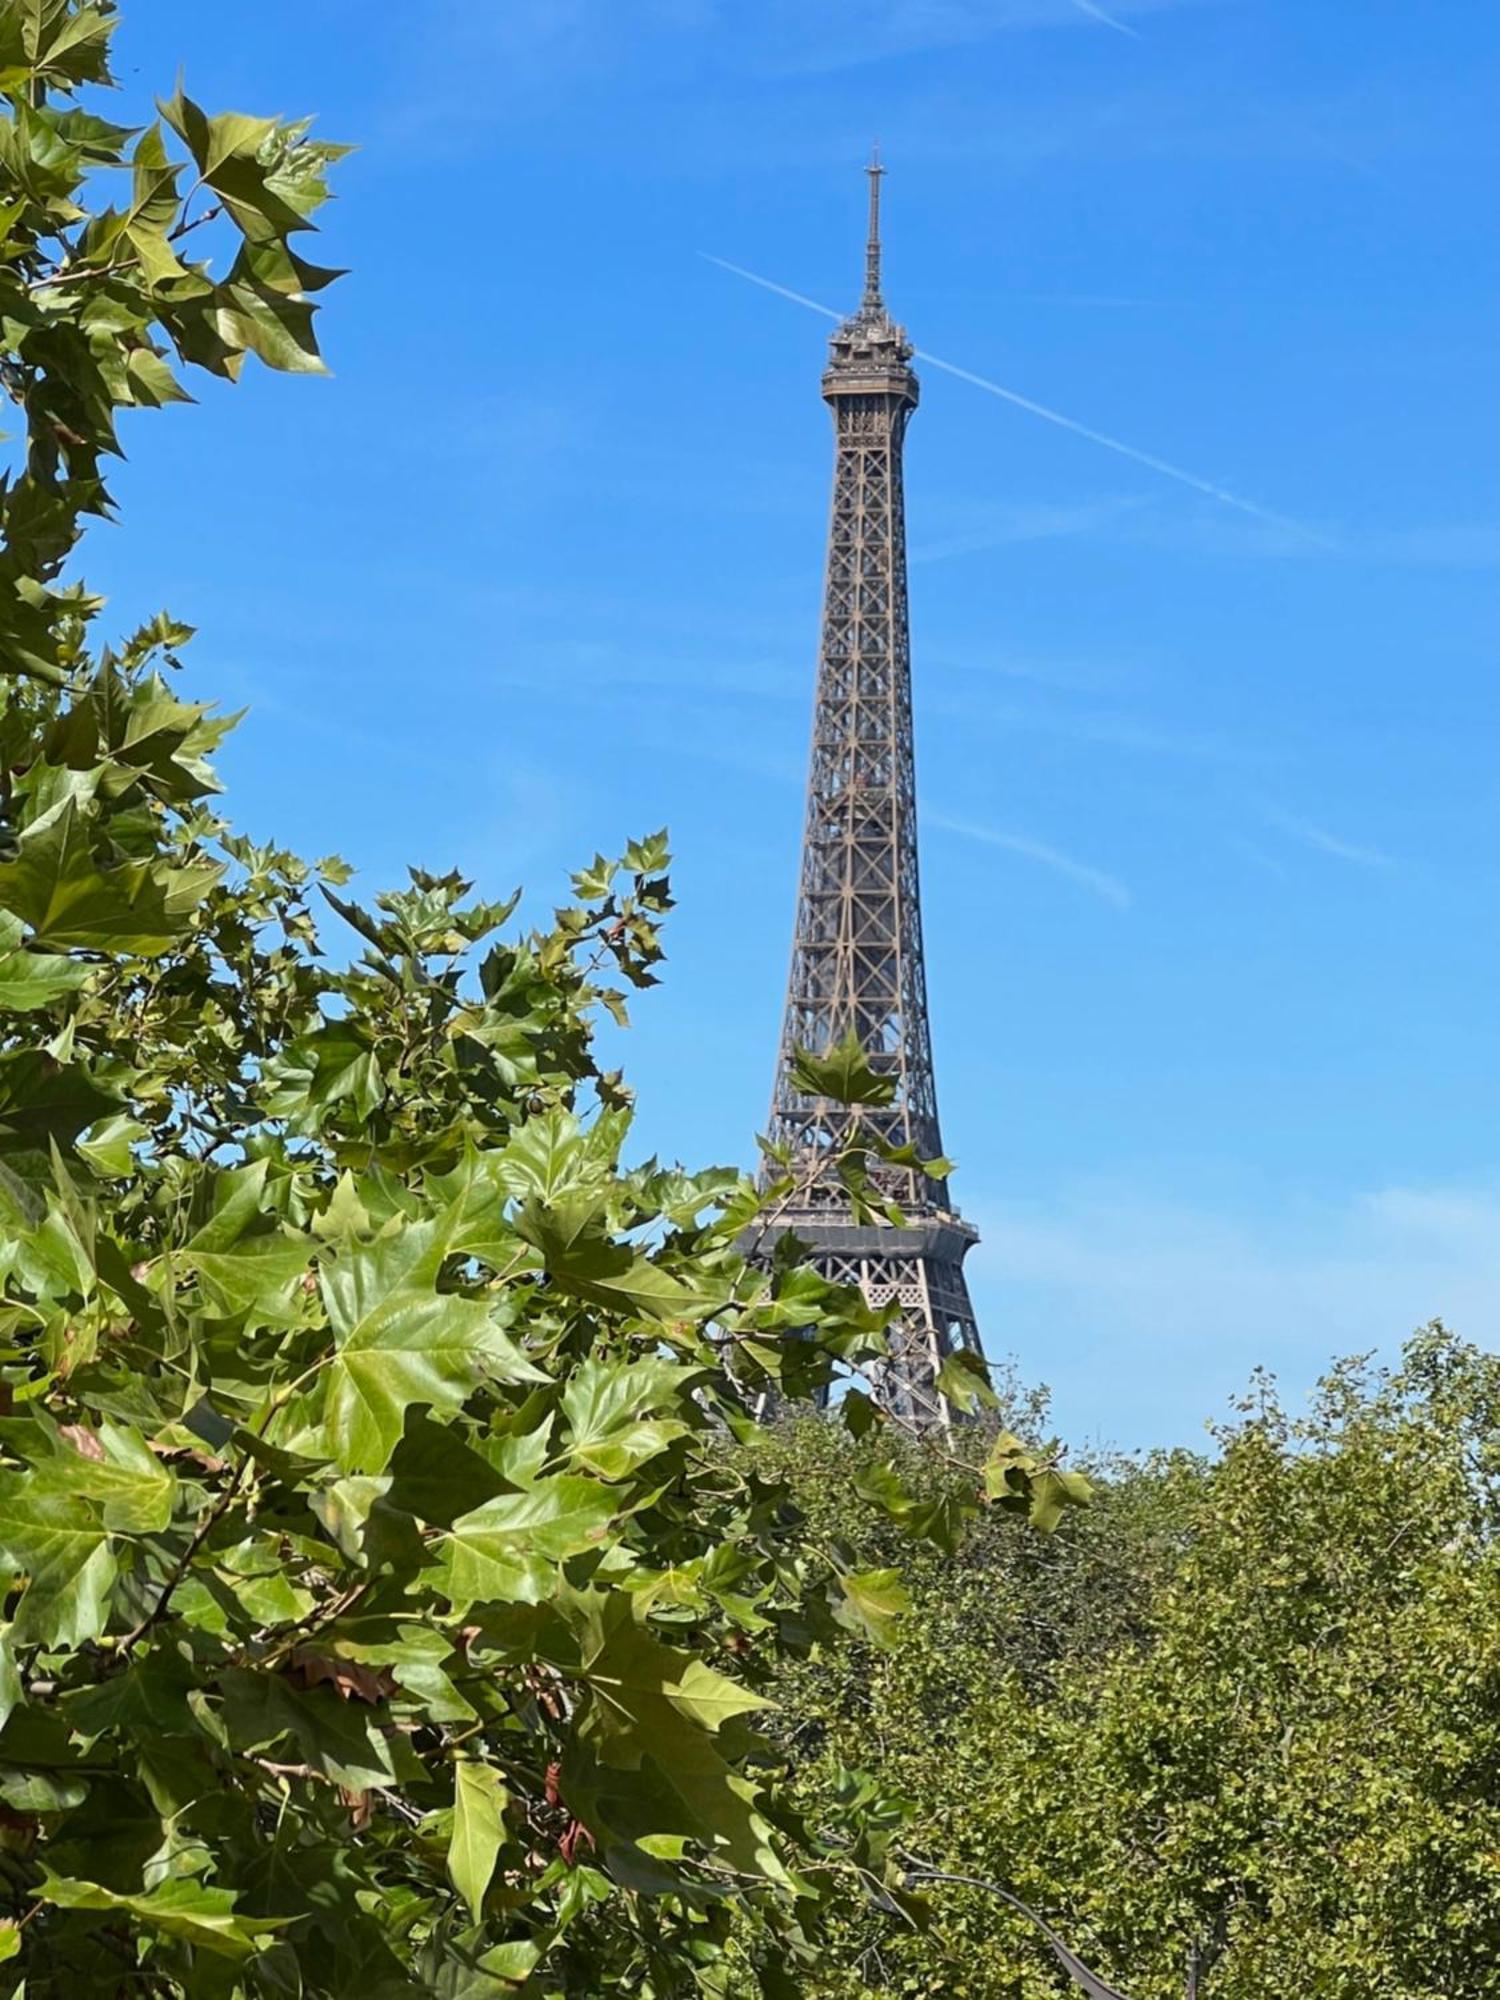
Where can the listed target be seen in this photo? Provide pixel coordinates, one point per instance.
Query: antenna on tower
(872, 246)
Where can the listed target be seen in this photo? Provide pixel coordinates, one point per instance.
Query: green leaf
(112, 1467)
(151, 380)
(40, 1791)
(964, 1379)
(607, 1406)
(651, 856)
(338, 1738)
(256, 1274)
(512, 1963)
(843, 1073)
(644, 1681)
(592, 884)
(656, 1712)
(400, 1342)
(872, 1602)
(265, 319)
(1053, 1493)
(940, 1519)
(201, 1917)
(435, 1476)
(1008, 1469)
(860, 1412)
(546, 1156)
(151, 1696)
(43, 1101)
(479, 1802)
(58, 1544)
(108, 1146)
(580, 1258)
(58, 888)
(508, 1551)
(30, 979)
(11, 1691)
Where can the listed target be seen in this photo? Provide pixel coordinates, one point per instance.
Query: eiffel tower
(857, 952)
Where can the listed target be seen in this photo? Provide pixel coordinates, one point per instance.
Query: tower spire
(857, 948)
(872, 243)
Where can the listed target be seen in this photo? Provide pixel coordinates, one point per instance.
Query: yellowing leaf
(873, 1601)
(56, 1542)
(114, 1468)
(479, 1801)
(201, 1917)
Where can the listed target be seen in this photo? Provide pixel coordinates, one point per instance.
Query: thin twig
(163, 1603)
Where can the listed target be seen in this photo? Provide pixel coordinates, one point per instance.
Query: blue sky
(1210, 862)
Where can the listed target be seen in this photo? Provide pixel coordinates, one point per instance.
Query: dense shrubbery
(1249, 1704)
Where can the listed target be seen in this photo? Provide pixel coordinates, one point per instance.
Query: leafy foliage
(387, 1611)
(1254, 1701)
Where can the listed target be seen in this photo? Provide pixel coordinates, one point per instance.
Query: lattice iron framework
(857, 950)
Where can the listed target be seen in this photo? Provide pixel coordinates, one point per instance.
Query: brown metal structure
(857, 952)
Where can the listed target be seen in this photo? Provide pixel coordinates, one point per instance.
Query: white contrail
(770, 285)
(1097, 880)
(1123, 450)
(1108, 20)
(1326, 842)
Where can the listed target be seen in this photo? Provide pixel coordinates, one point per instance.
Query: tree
(386, 1613)
(1248, 1708)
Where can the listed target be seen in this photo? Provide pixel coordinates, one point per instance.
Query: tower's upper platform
(870, 354)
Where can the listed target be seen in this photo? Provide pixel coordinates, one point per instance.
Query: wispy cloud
(1260, 859)
(1164, 467)
(843, 34)
(1109, 888)
(1063, 674)
(1439, 545)
(1111, 729)
(1037, 521)
(1318, 837)
(1139, 521)
(1147, 1311)
(1107, 20)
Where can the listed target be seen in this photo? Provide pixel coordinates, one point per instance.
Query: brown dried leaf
(83, 1441)
(183, 1454)
(347, 1677)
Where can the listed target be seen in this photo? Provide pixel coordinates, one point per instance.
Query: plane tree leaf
(61, 892)
(202, 1917)
(58, 1553)
(111, 1466)
(400, 1343)
(509, 1549)
(843, 1073)
(872, 1603)
(479, 1801)
(609, 1407)
(32, 979)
